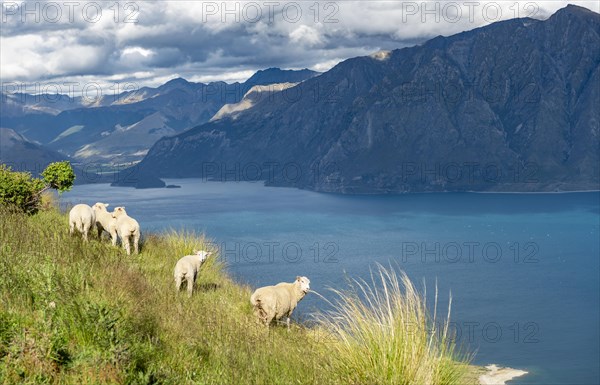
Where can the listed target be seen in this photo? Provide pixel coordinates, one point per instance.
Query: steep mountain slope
(127, 144)
(22, 155)
(510, 106)
(276, 75)
(250, 99)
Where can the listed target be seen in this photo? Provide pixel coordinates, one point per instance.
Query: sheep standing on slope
(105, 221)
(275, 302)
(128, 229)
(187, 268)
(82, 218)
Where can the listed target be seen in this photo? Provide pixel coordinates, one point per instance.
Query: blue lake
(523, 269)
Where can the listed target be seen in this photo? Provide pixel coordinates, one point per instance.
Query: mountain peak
(575, 10)
(177, 81)
(276, 75)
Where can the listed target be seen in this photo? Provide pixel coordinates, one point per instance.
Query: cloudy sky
(148, 43)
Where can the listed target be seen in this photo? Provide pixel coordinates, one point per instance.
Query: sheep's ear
(106, 205)
(298, 278)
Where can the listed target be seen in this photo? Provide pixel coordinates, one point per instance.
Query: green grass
(85, 313)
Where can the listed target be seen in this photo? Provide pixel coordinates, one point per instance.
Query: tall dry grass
(386, 335)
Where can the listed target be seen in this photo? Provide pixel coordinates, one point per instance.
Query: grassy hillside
(85, 313)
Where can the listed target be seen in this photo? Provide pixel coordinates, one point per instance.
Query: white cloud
(29, 62)
(306, 36)
(203, 40)
(229, 77)
(326, 65)
(137, 51)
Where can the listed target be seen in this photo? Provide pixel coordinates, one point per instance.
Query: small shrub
(59, 176)
(21, 190)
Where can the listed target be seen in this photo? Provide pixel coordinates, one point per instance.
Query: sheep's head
(202, 254)
(303, 283)
(100, 206)
(119, 211)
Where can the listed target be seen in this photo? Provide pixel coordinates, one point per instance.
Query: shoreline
(399, 193)
(497, 375)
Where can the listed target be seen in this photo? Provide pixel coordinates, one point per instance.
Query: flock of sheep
(271, 303)
(84, 218)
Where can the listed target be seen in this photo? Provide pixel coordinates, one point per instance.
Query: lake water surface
(523, 269)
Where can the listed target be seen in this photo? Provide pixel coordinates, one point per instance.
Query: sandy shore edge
(498, 376)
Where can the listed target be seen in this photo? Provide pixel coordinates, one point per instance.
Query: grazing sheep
(187, 268)
(105, 221)
(275, 302)
(128, 229)
(82, 218)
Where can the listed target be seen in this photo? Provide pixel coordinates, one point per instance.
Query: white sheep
(105, 221)
(275, 302)
(82, 218)
(187, 269)
(128, 229)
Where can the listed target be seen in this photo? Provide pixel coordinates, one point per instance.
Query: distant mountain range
(119, 129)
(512, 106)
(22, 155)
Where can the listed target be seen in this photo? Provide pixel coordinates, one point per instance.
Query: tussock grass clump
(386, 336)
(74, 312)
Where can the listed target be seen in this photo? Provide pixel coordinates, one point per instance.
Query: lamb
(275, 302)
(187, 268)
(128, 229)
(82, 218)
(105, 221)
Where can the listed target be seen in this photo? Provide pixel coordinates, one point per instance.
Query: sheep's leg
(113, 236)
(190, 286)
(71, 228)
(268, 316)
(178, 283)
(259, 314)
(287, 322)
(80, 226)
(268, 319)
(136, 243)
(127, 245)
(85, 230)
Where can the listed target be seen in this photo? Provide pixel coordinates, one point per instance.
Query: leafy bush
(21, 190)
(59, 176)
